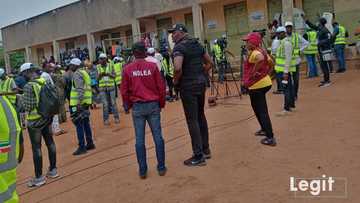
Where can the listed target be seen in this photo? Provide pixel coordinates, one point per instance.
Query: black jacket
(323, 35)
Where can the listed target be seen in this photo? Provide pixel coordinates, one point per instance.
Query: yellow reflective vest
(340, 37)
(87, 97)
(118, 67)
(9, 151)
(106, 81)
(312, 48)
(218, 53)
(37, 84)
(5, 87)
(295, 40)
(280, 59)
(167, 69)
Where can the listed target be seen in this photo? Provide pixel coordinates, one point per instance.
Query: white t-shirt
(154, 60)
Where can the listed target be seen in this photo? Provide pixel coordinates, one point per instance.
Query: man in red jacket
(143, 90)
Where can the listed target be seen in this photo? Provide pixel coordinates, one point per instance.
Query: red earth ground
(321, 137)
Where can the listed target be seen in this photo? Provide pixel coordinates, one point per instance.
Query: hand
(286, 76)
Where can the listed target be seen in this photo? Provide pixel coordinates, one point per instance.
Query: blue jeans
(311, 59)
(340, 54)
(108, 99)
(289, 93)
(83, 130)
(150, 113)
(279, 77)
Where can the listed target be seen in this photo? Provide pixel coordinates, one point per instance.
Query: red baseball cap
(253, 38)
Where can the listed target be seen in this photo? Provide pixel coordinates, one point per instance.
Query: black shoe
(260, 133)
(207, 154)
(80, 151)
(90, 147)
(325, 84)
(278, 92)
(162, 172)
(195, 161)
(341, 71)
(143, 176)
(269, 141)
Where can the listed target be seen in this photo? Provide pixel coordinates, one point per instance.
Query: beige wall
(348, 14)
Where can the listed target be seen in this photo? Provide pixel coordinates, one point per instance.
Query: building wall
(348, 14)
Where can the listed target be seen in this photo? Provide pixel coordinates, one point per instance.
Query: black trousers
(35, 137)
(193, 102)
(259, 105)
(325, 67)
(170, 83)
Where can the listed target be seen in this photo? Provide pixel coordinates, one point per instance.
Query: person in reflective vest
(118, 67)
(80, 102)
(38, 127)
(9, 151)
(220, 60)
(311, 52)
(340, 34)
(8, 87)
(285, 63)
(106, 78)
(299, 45)
(168, 70)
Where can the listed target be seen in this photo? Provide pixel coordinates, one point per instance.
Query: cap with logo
(75, 62)
(26, 66)
(102, 56)
(178, 27)
(281, 29)
(150, 50)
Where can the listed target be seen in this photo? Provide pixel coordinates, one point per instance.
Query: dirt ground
(321, 137)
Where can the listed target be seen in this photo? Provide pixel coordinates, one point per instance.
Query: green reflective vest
(37, 84)
(280, 59)
(5, 87)
(312, 38)
(106, 81)
(118, 72)
(168, 69)
(87, 97)
(295, 40)
(218, 53)
(340, 37)
(9, 151)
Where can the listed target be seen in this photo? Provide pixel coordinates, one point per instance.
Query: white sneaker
(37, 182)
(52, 174)
(283, 113)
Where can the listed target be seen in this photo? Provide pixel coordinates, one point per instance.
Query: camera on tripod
(222, 42)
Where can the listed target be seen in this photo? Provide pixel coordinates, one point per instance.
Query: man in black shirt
(325, 47)
(192, 65)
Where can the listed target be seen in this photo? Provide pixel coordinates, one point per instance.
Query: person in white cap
(151, 58)
(285, 66)
(274, 46)
(106, 78)
(38, 127)
(80, 102)
(118, 67)
(299, 45)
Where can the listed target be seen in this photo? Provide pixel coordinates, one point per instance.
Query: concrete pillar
(7, 62)
(288, 6)
(136, 30)
(28, 55)
(56, 53)
(91, 46)
(198, 22)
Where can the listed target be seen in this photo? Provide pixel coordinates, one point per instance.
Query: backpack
(49, 101)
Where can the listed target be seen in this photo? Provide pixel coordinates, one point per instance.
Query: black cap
(178, 27)
(139, 47)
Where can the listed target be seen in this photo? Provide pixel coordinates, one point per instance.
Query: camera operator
(219, 53)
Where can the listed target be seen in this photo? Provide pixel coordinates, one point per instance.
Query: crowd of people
(143, 84)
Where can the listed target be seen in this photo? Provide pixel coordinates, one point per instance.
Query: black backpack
(49, 101)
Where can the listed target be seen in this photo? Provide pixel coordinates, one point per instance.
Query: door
(237, 25)
(314, 9)
(189, 23)
(163, 25)
(274, 7)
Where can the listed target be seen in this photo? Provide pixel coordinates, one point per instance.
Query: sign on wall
(211, 24)
(257, 16)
